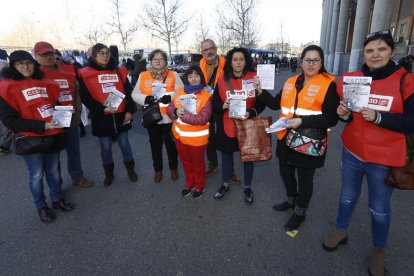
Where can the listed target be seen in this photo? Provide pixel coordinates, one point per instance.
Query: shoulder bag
(25, 144)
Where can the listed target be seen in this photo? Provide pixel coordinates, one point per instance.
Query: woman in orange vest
(374, 140)
(26, 107)
(191, 111)
(96, 82)
(310, 100)
(238, 75)
(159, 134)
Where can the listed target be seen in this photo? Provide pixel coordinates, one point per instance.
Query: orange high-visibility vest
(146, 86)
(220, 66)
(192, 135)
(310, 98)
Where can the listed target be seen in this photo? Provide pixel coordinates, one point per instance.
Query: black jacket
(106, 124)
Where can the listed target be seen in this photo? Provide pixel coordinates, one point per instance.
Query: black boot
(131, 171)
(109, 174)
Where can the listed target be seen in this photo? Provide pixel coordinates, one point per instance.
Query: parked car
(181, 62)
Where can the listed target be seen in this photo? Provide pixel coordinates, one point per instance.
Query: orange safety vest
(146, 87)
(192, 135)
(66, 82)
(98, 82)
(32, 99)
(203, 66)
(310, 98)
(369, 141)
(229, 123)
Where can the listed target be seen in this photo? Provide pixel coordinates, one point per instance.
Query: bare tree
(203, 32)
(95, 35)
(237, 16)
(124, 30)
(164, 21)
(224, 42)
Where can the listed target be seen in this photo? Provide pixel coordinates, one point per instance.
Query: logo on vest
(312, 90)
(34, 93)
(45, 110)
(62, 83)
(380, 102)
(105, 78)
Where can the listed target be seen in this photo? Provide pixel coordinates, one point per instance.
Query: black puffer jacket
(106, 124)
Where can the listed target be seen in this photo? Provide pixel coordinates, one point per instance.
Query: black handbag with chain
(151, 115)
(25, 144)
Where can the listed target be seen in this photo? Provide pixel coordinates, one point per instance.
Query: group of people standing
(373, 137)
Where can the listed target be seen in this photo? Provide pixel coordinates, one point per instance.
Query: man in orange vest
(65, 77)
(212, 67)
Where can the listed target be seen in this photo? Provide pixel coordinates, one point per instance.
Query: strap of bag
(213, 77)
(229, 85)
(402, 82)
(120, 77)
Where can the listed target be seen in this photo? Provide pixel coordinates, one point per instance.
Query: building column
(332, 37)
(323, 23)
(328, 30)
(381, 17)
(341, 36)
(360, 31)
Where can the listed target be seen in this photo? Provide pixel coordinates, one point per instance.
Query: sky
(299, 20)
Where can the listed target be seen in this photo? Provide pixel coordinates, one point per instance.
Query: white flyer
(356, 92)
(266, 73)
(237, 106)
(189, 103)
(62, 115)
(114, 99)
(280, 124)
(158, 90)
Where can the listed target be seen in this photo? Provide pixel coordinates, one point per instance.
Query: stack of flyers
(62, 115)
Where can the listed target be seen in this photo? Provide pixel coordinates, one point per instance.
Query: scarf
(193, 88)
(158, 75)
(381, 73)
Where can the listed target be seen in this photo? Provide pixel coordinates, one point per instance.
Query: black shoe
(46, 215)
(198, 194)
(63, 205)
(221, 191)
(248, 195)
(283, 206)
(294, 222)
(186, 192)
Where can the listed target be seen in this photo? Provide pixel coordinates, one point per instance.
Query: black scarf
(381, 73)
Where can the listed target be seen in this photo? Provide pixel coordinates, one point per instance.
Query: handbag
(403, 177)
(309, 141)
(151, 115)
(254, 143)
(24, 144)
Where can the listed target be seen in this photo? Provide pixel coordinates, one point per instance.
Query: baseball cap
(43, 47)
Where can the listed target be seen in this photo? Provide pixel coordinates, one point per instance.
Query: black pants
(303, 188)
(211, 147)
(159, 134)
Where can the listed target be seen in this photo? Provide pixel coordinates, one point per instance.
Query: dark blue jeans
(40, 164)
(123, 143)
(73, 153)
(227, 164)
(379, 196)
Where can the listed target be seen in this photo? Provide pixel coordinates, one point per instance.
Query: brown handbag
(403, 177)
(254, 143)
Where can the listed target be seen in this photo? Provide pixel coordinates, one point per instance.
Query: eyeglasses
(378, 34)
(157, 59)
(22, 64)
(309, 61)
(102, 54)
(209, 49)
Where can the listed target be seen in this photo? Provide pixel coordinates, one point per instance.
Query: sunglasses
(382, 33)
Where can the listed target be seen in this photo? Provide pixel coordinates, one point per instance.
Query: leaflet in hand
(114, 99)
(266, 72)
(158, 90)
(189, 103)
(280, 124)
(237, 106)
(62, 115)
(356, 92)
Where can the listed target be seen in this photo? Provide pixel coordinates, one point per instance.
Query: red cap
(43, 47)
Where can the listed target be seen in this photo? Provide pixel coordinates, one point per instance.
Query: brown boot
(109, 174)
(130, 166)
(158, 176)
(174, 175)
(334, 240)
(377, 262)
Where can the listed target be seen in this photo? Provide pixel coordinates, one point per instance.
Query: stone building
(345, 23)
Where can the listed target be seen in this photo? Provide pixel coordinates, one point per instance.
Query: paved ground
(149, 229)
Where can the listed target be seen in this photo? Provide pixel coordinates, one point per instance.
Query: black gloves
(149, 100)
(166, 99)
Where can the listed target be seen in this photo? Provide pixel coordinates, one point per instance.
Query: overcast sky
(301, 19)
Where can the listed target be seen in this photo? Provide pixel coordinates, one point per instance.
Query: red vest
(193, 135)
(369, 141)
(33, 100)
(229, 124)
(99, 83)
(67, 83)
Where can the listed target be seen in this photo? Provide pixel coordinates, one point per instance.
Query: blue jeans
(379, 196)
(123, 143)
(40, 164)
(73, 153)
(227, 164)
